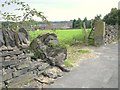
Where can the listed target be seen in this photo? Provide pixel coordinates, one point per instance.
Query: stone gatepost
(99, 33)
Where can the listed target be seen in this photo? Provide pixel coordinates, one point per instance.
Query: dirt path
(98, 72)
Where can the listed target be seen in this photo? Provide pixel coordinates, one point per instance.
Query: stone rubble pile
(20, 69)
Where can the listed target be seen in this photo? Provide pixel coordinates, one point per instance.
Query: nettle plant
(26, 17)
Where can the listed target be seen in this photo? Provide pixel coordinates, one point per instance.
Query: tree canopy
(112, 17)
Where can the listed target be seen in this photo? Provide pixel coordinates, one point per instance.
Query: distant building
(56, 25)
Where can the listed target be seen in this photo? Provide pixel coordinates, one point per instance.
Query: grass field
(66, 37)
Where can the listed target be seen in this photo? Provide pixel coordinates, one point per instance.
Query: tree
(27, 13)
(77, 24)
(74, 23)
(118, 16)
(87, 22)
(112, 17)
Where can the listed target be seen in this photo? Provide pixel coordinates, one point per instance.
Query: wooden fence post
(85, 34)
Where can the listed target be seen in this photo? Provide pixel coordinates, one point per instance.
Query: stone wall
(111, 33)
(19, 68)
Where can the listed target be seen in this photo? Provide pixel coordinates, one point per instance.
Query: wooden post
(85, 34)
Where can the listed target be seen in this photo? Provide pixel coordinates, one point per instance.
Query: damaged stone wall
(20, 69)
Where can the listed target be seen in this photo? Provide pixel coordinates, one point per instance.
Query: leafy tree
(77, 24)
(27, 13)
(87, 22)
(74, 23)
(119, 17)
(112, 17)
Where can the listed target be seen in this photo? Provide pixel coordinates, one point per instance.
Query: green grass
(66, 37)
(83, 51)
(68, 63)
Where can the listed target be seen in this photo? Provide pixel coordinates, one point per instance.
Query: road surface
(98, 72)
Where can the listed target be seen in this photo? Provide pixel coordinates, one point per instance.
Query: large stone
(44, 80)
(43, 66)
(40, 65)
(56, 55)
(22, 38)
(22, 56)
(22, 66)
(25, 32)
(7, 76)
(33, 84)
(46, 47)
(21, 80)
(9, 70)
(9, 38)
(12, 53)
(2, 85)
(12, 38)
(53, 72)
(8, 63)
(21, 72)
(1, 59)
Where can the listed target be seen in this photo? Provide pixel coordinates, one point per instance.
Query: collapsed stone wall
(111, 33)
(20, 69)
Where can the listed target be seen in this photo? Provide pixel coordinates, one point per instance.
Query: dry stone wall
(111, 33)
(19, 69)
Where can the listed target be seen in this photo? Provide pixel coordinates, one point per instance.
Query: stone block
(20, 72)
(53, 72)
(11, 53)
(9, 70)
(17, 52)
(7, 76)
(21, 80)
(13, 58)
(1, 59)
(22, 57)
(35, 65)
(2, 85)
(8, 63)
(21, 66)
(7, 58)
(43, 66)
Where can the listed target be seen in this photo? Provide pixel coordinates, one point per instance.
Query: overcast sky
(60, 10)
